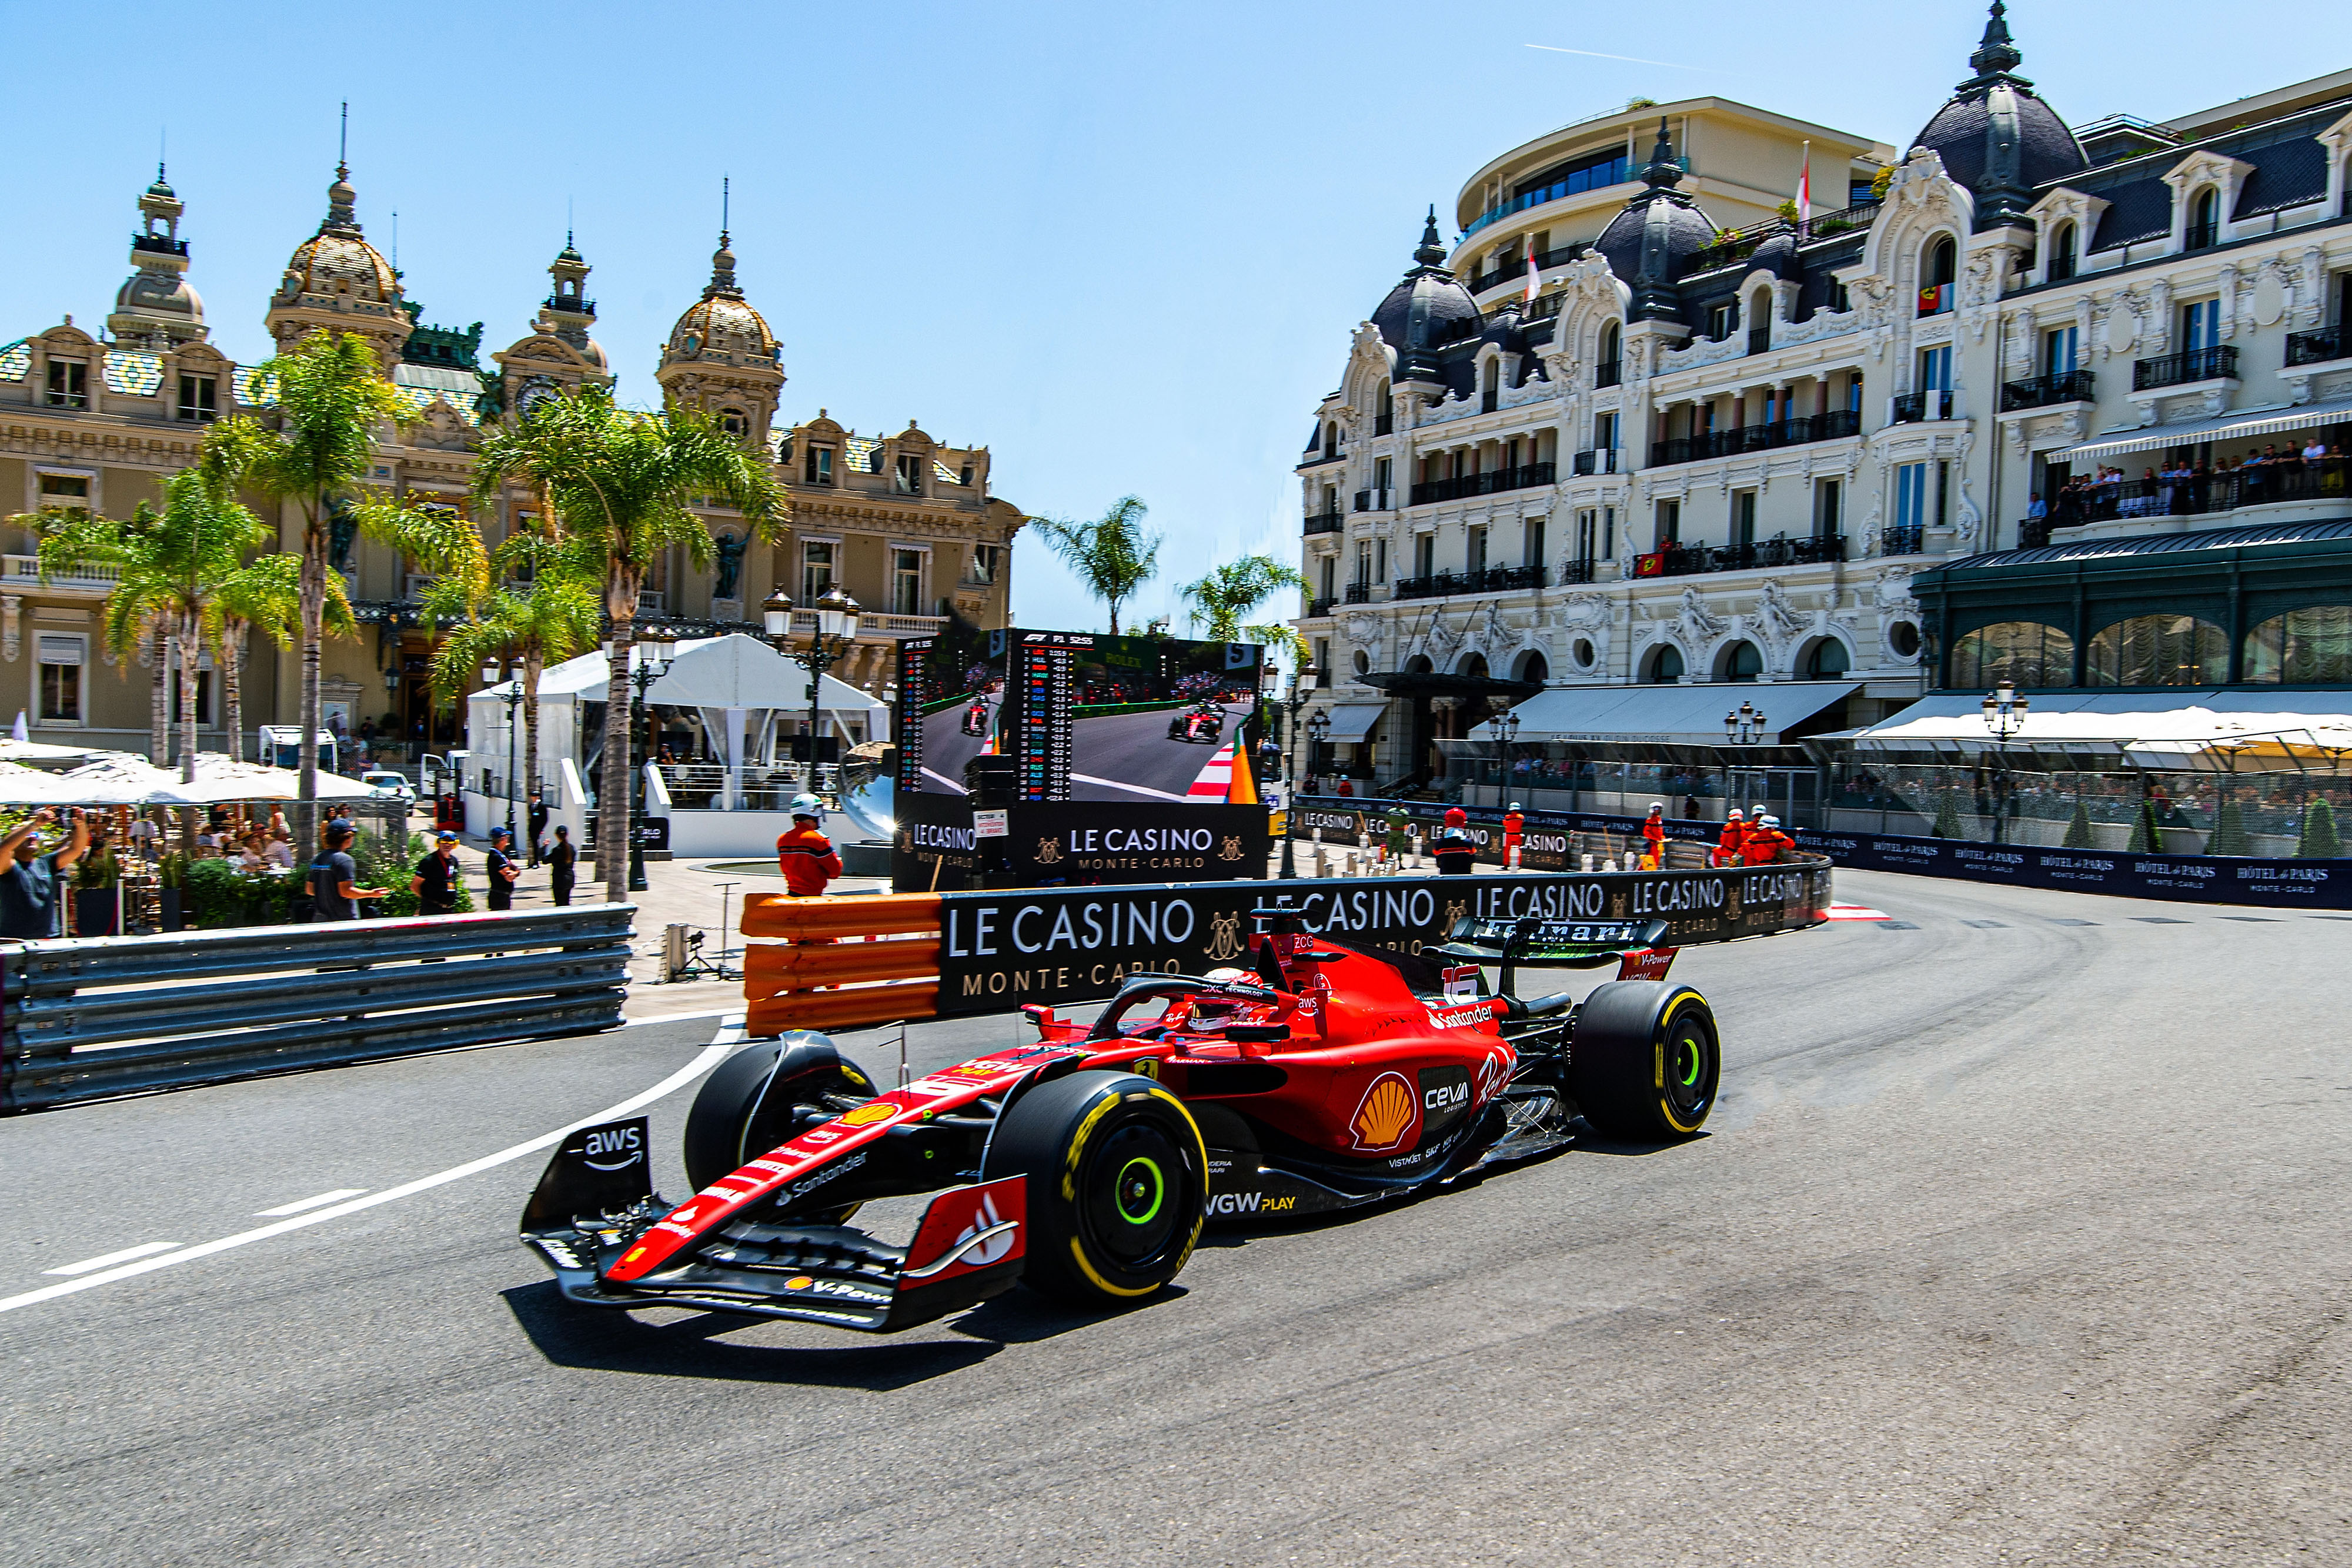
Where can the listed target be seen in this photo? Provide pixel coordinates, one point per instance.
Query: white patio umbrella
(31, 787)
(129, 781)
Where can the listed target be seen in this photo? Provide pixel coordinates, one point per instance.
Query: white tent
(130, 781)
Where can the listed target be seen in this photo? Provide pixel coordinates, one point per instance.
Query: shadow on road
(1591, 1142)
(689, 1347)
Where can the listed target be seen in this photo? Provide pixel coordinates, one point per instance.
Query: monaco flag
(1533, 277)
(1805, 189)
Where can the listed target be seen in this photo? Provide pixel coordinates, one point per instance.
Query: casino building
(1635, 448)
(98, 420)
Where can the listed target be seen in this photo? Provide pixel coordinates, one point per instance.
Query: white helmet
(807, 806)
(1735, 811)
(1657, 805)
(1771, 822)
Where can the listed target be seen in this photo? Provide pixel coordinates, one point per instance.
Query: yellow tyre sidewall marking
(1070, 1185)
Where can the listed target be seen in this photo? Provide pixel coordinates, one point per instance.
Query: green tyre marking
(1158, 1188)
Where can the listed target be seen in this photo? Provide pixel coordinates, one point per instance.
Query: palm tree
(1233, 591)
(551, 617)
(1112, 556)
(619, 487)
(264, 596)
(170, 564)
(316, 449)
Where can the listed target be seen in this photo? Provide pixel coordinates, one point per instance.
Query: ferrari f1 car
(975, 717)
(1086, 1165)
(1204, 721)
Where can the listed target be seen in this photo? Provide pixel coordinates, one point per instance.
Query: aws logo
(1386, 1116)
(613, 1149)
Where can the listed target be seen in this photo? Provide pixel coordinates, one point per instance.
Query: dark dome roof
(1503, 328)
(1994, 108)
(1428, 307)
(1777, 255)
(1682, 228)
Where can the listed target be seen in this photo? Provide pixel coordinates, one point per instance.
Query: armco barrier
(890, 958)
(123, 1015)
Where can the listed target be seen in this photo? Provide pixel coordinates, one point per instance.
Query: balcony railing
(2200, 236)
(2041, 392)
(2061, 267)
(2318, 348)
(574, 307)
(27, 568)
(1831, 426)
(1607, 373)
(1913, 408)
(1576, 571)
(1738, 244)
(1525, 476)
(1938, 298)
(1379, 500)
(1359, 593)
(1329, 522)
(2032, 533)
(1759, 338)
(1600, 460)
(1317, 456)
(1544, 306)
(157, 244)
(2198, 492)
(1493, 580)
(1384, 424)
(1679, 560)
(1902, 538)
(2219, 362)
(1318, 608)
(1517, 267)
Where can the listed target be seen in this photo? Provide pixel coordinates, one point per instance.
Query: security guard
(1731, 848)
(1653, 837)
(805, 854)
(1765, 841)
(1515, 836)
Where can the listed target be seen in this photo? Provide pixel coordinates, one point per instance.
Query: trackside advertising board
(2195, 879)
(1034, 945)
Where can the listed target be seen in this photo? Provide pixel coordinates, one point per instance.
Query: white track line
(708, 1057)
(298, 1205)
(144, 1249)
(1143, 789)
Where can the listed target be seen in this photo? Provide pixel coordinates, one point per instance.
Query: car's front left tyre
(1118, 1185)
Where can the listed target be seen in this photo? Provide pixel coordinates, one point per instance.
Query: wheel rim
(1125, 1205)
(1690, 1066)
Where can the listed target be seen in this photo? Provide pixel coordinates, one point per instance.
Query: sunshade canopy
(1350, 722)
(2247, 426)
(2206, 728)
(1671, 715)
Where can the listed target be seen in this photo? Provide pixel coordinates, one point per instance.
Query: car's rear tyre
(1118, 1185)
(1646, 1060)
(765, 1094)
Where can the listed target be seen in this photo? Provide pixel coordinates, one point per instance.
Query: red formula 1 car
(1204, 721)
(975, 717)
(1086, 1164)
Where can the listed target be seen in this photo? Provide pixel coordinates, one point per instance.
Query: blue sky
(1123, 245)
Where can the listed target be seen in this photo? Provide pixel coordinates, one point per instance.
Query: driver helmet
(1456, 817)
(807, 806)
(1227, 976)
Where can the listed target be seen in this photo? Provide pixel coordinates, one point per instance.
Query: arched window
(733, 421)
(2158, 651)
(2061, 253)
(1740, 662)
(1533, 666)
(1938, 266)
(1665, 666)
(1826, 660)
(2204, 219)
(1759, 320)
(1491, 382)
(1383, 412)
(2022, 652)
(2303, 647)
(1331, 438)
(1609, 360)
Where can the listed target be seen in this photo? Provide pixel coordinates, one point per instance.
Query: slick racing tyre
(1644, 1060)
(767, 1093)
(1118, 1182)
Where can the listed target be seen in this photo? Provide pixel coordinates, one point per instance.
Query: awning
(1352, 722)
(2203, 727)
(1672, 715)
(2236, 427)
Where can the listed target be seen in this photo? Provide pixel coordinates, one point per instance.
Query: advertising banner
(1056, 946)
(943, 845)
(1548, 845)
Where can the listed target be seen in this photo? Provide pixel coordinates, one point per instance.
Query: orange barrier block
(770, 968)
(771, 1015)
(779, 914)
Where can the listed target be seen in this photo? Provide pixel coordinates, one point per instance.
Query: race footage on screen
(1078, 716)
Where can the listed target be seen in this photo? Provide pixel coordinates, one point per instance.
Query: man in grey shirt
(335, 892)
(30, 888)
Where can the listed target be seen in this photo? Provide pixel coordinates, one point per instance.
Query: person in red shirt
(806, 855)
(1653, 837)
(1765, 841)
(1515, 836)
(1731, 848)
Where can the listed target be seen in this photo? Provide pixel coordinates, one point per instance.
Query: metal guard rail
(98, 1017)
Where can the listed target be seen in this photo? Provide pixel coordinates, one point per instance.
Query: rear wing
(1548, 944)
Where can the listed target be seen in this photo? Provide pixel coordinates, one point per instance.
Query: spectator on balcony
(2036, 508)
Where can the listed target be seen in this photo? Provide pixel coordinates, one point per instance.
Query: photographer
(30, 903)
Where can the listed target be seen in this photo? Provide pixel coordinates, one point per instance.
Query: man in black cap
(499, 872)
(437, 878)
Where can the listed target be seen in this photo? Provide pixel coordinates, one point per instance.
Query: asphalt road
(2016, 1240)
(1133, 749)
(946, 748)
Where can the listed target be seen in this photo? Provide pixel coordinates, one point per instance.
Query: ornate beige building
(97, 422)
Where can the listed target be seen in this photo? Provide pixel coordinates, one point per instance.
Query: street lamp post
(512, 697)
(1745, 727)
(1301, 684)
(1505, 729)
(2004, 716)
(835, 630)
(649, 661)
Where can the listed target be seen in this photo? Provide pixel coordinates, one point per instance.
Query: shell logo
(1387, 1114)
(866, 1115)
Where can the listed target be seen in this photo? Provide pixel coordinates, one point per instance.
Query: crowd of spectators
(2185, 487)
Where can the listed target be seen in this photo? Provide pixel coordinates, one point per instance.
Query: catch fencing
(100, 1016)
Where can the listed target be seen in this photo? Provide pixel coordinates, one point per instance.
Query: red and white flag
(1533, 277)
(1805, 189)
